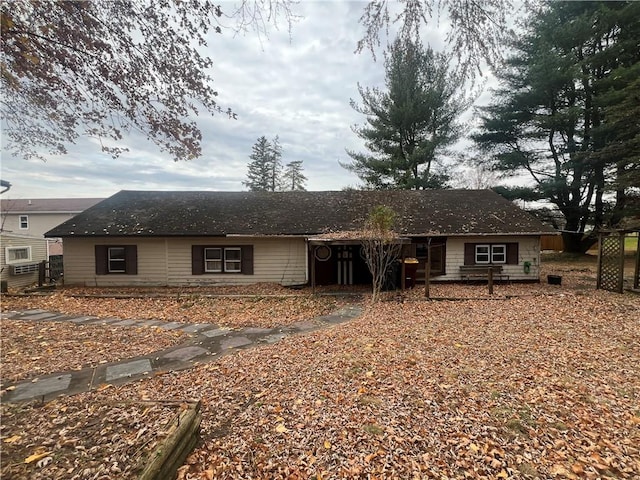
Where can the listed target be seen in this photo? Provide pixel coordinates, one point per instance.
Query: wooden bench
(481, 272)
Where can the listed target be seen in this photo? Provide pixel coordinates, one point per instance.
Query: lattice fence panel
(611, 263)
(636, 273)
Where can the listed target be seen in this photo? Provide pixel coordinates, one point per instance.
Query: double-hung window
(213, 260)
(485, 254)
(219, 260)
(117, 260)
(498, 254)
(232, 260)
(24, 222)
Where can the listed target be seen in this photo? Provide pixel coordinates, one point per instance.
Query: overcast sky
(297, 87)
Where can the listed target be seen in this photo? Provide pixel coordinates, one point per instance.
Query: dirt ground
(536, 381)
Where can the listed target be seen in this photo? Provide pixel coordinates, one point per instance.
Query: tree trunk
(577, 242)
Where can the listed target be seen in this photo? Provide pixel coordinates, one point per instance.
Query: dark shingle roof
(433, 212)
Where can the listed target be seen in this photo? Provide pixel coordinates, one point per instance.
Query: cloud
(295, 86)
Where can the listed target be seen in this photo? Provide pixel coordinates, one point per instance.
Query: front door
(345, 264)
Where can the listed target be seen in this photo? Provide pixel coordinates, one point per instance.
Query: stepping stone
(276, 337)
(83, 319)
(150, 323)
(305, 326)
(125, 323)
(42, 387)
(128, 369)
(254, 330)
(185, 354)
(103, 321)
(195, 328)
(218, 332)
(40, 316)
(170, 325)
(234, 342)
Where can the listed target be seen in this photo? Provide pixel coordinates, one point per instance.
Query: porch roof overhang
(317, 241)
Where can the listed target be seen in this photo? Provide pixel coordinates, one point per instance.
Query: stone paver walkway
(207, 343)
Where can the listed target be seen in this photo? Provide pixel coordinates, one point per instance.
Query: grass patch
(373, 429)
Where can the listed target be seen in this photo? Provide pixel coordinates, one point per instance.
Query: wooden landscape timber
(180, 441)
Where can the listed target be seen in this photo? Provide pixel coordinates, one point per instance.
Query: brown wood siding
(551, 242)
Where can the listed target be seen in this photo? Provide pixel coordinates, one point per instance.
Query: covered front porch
(342, 262)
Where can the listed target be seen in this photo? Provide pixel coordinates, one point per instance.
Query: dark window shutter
(469, 253)
(131, 259)
(197, 260)
(247, 259)
(512, 253)
(102, 258)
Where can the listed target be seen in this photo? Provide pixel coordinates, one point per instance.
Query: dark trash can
(410, 272)
(554, 279)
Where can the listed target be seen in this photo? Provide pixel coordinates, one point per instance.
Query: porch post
(427, 271)
(313, 269)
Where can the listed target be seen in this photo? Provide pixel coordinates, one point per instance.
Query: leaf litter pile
(31, 349)
(536, 387)
(77, 438)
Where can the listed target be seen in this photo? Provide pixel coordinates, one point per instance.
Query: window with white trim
(498, 254)
(223, 260)
(18, 254)
(483, 253)
(213, 260)
(486, 254)
(24, 222)
(232, 260)
(117, 261)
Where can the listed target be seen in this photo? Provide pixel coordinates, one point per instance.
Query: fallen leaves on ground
(542, 386)
(31, 349)
(535, 387)
(76, 438)
(254, 311)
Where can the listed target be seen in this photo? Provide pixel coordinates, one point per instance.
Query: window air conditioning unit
(24, 268)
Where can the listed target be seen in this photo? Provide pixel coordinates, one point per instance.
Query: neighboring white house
(37, 216)
(205, 238)
(20, 257)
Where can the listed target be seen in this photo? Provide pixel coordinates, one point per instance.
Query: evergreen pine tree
(294, 179)
(258, 175)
